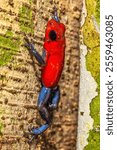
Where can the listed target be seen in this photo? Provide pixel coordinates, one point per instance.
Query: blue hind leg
(55, 98)
(42, 101)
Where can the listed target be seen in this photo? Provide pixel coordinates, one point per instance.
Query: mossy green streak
(8, 44)
(26, 19)
(8, 47)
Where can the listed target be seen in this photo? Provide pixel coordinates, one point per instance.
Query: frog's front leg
(34, 52)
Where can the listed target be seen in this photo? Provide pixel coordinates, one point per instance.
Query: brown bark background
(20, 74)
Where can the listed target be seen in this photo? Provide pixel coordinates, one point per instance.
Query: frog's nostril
(52, 35)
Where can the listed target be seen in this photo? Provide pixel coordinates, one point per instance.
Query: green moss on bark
(94, 141)
(92, 40)
(26, 19)
(97, 11)
(8, 47)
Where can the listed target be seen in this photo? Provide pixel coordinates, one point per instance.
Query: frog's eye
(51, 23)
(53, 35)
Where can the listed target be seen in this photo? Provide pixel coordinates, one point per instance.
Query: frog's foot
(30, 137)
(40, 130)
(33, 133)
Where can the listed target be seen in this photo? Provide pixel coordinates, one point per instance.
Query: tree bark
(20, 74)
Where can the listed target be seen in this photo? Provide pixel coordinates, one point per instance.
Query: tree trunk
(20, 74)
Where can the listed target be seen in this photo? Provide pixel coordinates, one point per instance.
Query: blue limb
(40, 130)
(55, 17)
(34, 52)
(44, 54)
(55, 98)
(42, 101)
(43, 96)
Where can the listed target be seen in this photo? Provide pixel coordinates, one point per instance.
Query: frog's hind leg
(55, 98)
(42, 101)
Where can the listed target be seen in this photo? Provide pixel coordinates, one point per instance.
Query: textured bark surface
(20, 74)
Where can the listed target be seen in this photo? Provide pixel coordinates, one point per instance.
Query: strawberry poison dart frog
(52, 62)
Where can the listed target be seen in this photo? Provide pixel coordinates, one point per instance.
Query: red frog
(52, 62)
(54, 46)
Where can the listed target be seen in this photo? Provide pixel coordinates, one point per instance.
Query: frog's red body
(55, 53)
